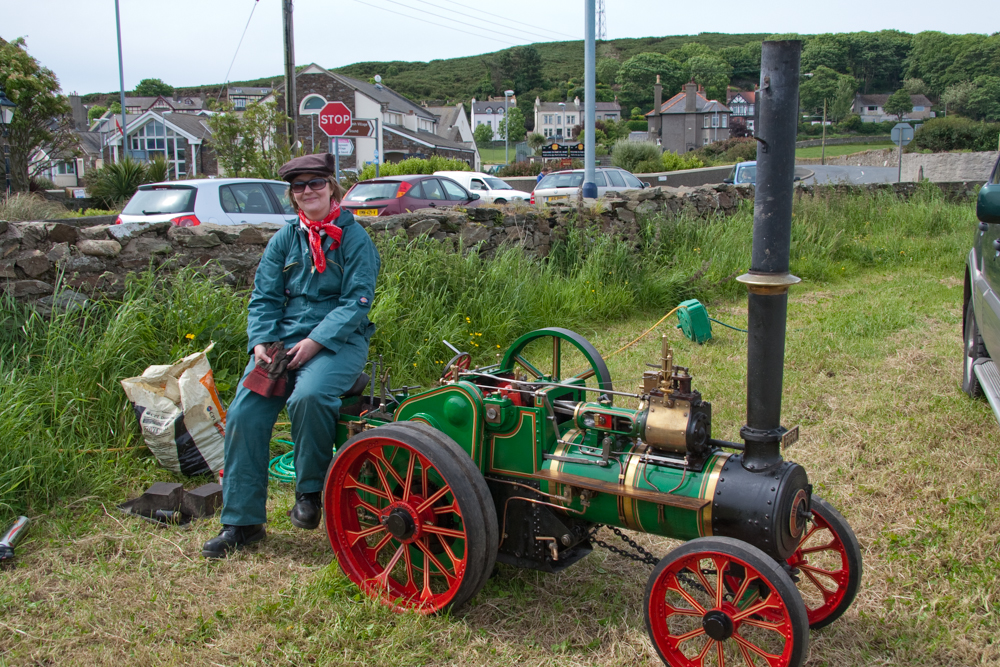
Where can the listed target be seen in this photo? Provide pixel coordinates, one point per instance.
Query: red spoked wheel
(462, 360)
(719, 601)
(829, 563)
(407, 520)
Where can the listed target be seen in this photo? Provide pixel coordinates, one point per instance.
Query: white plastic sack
(180, 414)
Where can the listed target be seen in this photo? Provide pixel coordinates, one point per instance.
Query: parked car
(743, 173)
(398, 194)
(561, 185)
(218, 201)
(981, 304)
(490, 189)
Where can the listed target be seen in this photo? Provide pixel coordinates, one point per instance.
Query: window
(310, 105)
(559, 119)
(488, 110)
(704, 142)
(67, 167)
(708, 121)
(239, 102)
(630, 180)
(430, 189)
(725, 120)
(547, 119)
(393, 119)
(454, 190)
(152, 199)
(500, 111)
(918, 108)
(571, 120)
(873, 109)
(615, 178)
(477, 185)
(247, 198)
(280, 193)
(750, 125)
(599, 179)
(715, 120)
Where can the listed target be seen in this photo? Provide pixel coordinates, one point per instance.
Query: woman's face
(310, 200)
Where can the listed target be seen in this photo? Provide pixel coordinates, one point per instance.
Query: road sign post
(901, 135)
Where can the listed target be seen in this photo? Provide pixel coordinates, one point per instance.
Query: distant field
(495, 155)
(843, 149)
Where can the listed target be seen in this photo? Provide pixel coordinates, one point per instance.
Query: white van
(490, 189)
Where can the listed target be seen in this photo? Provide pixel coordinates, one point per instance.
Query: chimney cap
(657, 79)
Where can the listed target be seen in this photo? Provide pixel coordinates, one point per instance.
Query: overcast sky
(192, 42)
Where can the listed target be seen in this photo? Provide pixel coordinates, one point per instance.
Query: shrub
(627, 154)
(671, 161)
(157, 169)
(113, 184)
(648, 167)
(637, 125)
(414, 165)
(954, 133)
(23, 206)
(739, 149)
(852, 123)
(39, 183)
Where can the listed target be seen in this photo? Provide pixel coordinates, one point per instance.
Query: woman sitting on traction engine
(308, 332)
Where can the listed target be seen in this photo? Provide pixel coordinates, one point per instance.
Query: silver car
(217, 201)
(562, 185)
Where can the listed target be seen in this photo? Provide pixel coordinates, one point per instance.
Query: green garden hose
(282, 467)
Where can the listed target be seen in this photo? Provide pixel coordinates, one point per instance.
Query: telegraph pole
(121, 84)
(291, 104)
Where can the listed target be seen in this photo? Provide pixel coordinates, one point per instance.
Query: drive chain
(641, 555)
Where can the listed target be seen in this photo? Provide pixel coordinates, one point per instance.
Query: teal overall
(292, 301)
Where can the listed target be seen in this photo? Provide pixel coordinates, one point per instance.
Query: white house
(491, 112)
(453, 124)
(556, 120)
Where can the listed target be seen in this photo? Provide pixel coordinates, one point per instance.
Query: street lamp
(6, 116)
(506, 125)
(562, 117)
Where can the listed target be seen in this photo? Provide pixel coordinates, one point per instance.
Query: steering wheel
(462, 360)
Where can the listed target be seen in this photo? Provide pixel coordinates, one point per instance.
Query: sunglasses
(314, 184)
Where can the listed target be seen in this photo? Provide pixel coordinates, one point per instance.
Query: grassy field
(842, 149)
(872, 372)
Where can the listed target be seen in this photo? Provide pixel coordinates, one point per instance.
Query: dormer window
(488, 110)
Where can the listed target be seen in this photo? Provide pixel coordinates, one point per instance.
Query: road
(853, 175)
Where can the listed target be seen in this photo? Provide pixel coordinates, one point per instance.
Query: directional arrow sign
(361, 127)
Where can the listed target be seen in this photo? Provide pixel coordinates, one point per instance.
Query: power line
(446, 18)
(229, 71)
(436, 25)
(467, 8)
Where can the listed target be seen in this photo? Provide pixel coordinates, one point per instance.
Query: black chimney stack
(768, 280)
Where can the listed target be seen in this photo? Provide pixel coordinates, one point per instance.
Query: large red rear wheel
(829, 563)
(406, 520)
(719, 601)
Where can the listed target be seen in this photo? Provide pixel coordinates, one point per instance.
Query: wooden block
(203, 501)
(161, 496)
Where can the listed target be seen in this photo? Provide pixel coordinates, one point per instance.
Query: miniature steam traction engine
(520, 462)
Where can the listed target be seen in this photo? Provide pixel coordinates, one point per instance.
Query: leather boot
(308, 510)
(232, 538)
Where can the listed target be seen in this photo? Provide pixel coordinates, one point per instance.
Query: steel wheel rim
(421, 571)
(743, 598)
(814, 579)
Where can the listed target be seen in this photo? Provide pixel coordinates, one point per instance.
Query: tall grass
(24, 206)
(62, 411)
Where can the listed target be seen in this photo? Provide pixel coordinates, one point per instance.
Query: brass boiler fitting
(672, 416)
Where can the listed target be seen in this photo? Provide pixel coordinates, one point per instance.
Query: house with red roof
(688, 120)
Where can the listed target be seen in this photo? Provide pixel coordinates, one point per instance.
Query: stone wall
(95, 260)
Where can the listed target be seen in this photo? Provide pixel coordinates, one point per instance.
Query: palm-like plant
(113, 184)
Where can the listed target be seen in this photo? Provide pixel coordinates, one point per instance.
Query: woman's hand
(302, 352)
(260, 354)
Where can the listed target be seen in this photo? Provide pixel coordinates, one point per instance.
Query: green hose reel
(693, 321)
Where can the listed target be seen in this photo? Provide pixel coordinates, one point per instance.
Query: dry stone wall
(35, 256)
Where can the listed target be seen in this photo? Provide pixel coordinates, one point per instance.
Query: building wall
(399, 148)
(331, 90)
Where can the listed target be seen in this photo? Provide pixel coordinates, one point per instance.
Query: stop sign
(335, 119)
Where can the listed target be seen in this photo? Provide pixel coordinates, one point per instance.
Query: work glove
(270, 379)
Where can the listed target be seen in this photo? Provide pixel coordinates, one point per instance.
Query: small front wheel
(719, 601)
(829, 563)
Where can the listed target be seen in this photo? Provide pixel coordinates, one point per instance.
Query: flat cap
(317, 163)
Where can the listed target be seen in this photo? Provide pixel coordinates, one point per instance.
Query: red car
(399, 194)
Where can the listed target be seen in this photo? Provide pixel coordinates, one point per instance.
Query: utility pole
(121, 84)
(822, 152)
(589, 189)
(291, 101)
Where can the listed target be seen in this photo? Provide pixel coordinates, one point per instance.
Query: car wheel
(499, 201)
(974, 350)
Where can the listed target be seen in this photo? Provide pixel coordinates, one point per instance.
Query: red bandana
(326, 225)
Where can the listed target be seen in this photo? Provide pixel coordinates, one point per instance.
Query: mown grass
(841, 149)
(872, 367)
